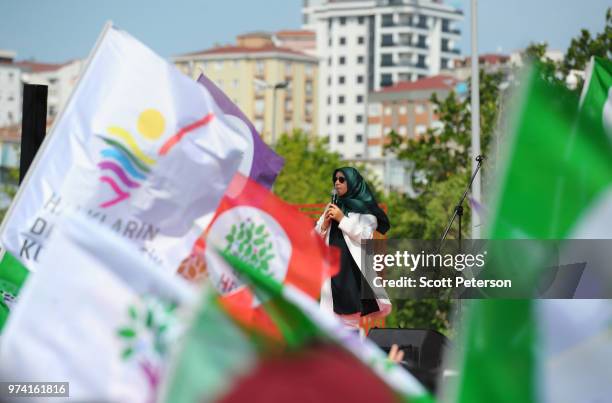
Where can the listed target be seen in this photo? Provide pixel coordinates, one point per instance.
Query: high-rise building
(275, 87)
(366, 45)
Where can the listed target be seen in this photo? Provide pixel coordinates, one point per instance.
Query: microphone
(334, 196)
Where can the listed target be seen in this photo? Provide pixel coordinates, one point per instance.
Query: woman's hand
(334, 213)
(326, 219)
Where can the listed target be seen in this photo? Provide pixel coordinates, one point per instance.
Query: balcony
(454, 51)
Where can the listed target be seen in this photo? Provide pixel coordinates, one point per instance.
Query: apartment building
(10, 89)
(367, 45)
(406, 109)
(276, 87)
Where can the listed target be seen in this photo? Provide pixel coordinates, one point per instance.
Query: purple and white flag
(265, 164)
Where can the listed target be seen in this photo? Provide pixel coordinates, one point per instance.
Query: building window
(387, 20)
(288, 68)
(329, 61)
(328, 119)
(259, 68)
(387, 40)
(359, 99)
(329, 42)
(329, 80)
(259, 107)
(360, 20)
(402, 110)
(219, 65)
(341, 138)
(329, 100)
(342, 40)
(259, 125)
(341, 80)
(341, 60)
(308, 70)
(360, 40)
(308, 88)
(402, 130)
(374, 109)
(359, 119)
(235, 83)
(360, 79)
(386, 79)
(359, 138)
(340, 119)
(341, 99)
(387, 110)
(360, 59)
(419, 109)
(342, 20)
(420, 129)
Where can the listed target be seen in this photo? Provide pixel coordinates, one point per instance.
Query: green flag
(12, 277)
(556, 183)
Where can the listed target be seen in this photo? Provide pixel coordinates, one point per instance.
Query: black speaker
(424, 351)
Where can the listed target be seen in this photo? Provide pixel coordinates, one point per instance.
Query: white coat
(355, 228)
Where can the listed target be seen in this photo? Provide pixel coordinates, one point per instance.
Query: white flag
(140, 147)
(97, 315)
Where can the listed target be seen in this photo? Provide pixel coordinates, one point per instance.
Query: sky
(56, 31)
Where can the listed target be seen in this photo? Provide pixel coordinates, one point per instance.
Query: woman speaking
(354, 217)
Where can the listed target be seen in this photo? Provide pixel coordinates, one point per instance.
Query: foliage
(8, 188)
(309, 165)
(445, 152)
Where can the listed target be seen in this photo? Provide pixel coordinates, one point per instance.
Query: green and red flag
(270, 235)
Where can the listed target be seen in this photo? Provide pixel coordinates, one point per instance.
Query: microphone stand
(458, 212)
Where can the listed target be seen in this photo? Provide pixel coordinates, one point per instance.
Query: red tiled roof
(11, 134)
(439, 82)
(301, 32)
(229, 49)
(493, 58)
(36, 67)
(258, 34)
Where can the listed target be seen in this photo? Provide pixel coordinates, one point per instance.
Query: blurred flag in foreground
(12, 277)
(327, 362)
(254, 225)
(97, 315)
(263, 165)
(140, 147)
(557, 184)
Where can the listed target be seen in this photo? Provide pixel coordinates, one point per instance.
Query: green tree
(445, 152)
(306, 176)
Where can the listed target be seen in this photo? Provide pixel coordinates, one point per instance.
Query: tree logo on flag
(147, 338)
(253, 236)
(124, 164)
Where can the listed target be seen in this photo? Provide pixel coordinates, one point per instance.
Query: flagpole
(475, 119)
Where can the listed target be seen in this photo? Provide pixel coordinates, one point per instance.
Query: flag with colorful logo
(140, 147)
(262, 230)
(263, 165)
(325, 362)
(556, 184)
(97, 315)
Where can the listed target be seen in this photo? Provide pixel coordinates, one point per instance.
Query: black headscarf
(360, 199)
